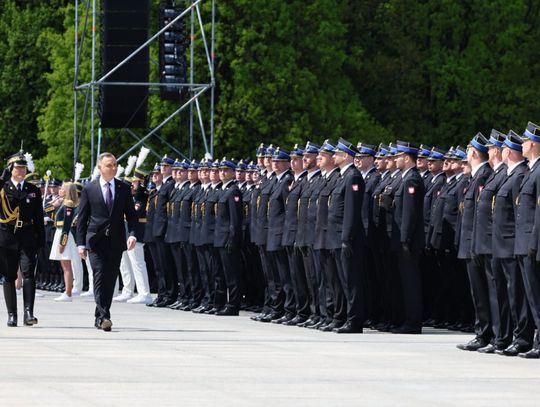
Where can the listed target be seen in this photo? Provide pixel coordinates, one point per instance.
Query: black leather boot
(29, 295)
(10, 295)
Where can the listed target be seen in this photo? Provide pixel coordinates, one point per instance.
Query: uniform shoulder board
(69, 204)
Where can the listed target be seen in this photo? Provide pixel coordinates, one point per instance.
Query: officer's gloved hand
(6, 174)
(346, 249)
(532, 253)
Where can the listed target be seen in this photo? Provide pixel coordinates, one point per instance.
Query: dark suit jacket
(408, 216)
(433, 189)
(483, 220)
(307, 210)
(160, 216)
(208, 212)
(345, 210)
(525, 213)
(150, 212)
(32, 234)
(261, 221)
(372, 179)
(99, 230)
(381, 239)
(471, 192)
(444, 211)
(328, 183)
(291, 210)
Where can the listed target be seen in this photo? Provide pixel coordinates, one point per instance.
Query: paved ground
(160, 357)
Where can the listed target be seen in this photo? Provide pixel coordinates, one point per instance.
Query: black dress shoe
(514, 350)
(532, 354)
(295, 321)
(29, 318)
(153, 303)
(106, 325)
(174, 304)
(214, 310)
(265, 318)
(406, 330)
(258, 317)
(228, 311)
(276, 315)
(199, 310)
(165, 303)
(348, 328)
(473, 345)
(12, 319)
(487, 349)
(317, 325)
(283, 319)
(312, 320)
(331, 326)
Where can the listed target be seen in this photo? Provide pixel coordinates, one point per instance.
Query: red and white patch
(480, 188)
(236, 199)
(438, 193)
(68, 212)
(412, 190)
(355, 187)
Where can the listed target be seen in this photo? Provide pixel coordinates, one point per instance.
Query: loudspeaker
(124, 28)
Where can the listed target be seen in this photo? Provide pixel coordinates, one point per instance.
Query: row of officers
(339, 237)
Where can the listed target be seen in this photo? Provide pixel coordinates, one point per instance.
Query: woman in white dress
(64, 248)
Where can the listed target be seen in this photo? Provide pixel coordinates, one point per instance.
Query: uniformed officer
(509, 283)
(365, 162)
(527, 215)
(346, 238)
(22, 234)
(408, 236)
(422, 163)
(305, 234)
(228, 235)
(477, 157)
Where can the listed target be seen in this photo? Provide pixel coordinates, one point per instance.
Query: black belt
(20, 223)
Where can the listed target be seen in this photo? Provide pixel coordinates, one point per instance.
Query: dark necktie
(109, 197)
(19, 187)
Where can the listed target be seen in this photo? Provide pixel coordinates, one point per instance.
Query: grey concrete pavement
(159, 357)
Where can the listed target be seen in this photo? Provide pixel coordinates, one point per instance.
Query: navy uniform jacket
(140, 200)
(276, 211)
(265, 189)
(504, 213)
(186, 204)
(482, 235)
(254, 199)
(468, 212)
(63, 219)
(408, 216)
(426, 177)
(371, 181)
(433, 189)
(525, 211)
(291, 209)
(32, 230)
(160, 216)
(328, 182)
(379, 213)
(387, 202)
(461, 188)
(208, 213)
(172, 231)
(307, 210)
(196, 217)
(95, 222)
(345, 210)
(229, 217)
(444, 213)
(150, 211)
(246, 209)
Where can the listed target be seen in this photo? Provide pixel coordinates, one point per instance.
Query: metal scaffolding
(84, 94)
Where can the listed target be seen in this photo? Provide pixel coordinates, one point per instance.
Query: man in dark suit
(477, 157)
(101, 234)
(408, 236)
(22, 234)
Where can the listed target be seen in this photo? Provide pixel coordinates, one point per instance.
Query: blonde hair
(70, 193)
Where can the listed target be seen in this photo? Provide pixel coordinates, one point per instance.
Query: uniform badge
(411, 190)
(438, 192)
(355, 187)
(68, 212)
(480, 188)
(137, 206)
(32, 195)
(236, 199)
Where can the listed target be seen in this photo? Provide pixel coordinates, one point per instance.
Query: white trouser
(76, 266)
(133, 271)
(90, 275)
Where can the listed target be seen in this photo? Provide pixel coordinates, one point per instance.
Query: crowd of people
(337, 237)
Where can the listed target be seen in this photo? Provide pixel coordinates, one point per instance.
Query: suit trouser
(180, 265)
(372, 284)
(350, 274)
(106, 265)
(217, 281)
(310, 258)
(271, 289)
(279, 266)
(445, 304)
(476, 269)
(133, 271)
(530, 272)
(252, 277)
(501, 319)
(430, 269)
(300, 285)
(326, 295)
(411, 284)
(193, 273)
(231, 271)
(160, 274)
